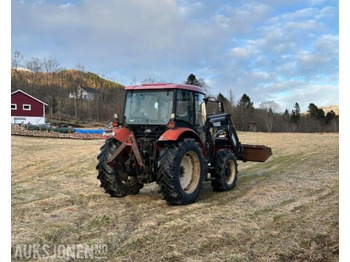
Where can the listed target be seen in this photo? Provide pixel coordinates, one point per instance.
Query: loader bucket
(256, 153)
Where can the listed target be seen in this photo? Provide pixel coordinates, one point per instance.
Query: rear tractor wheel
(180, 172)
(114, 178)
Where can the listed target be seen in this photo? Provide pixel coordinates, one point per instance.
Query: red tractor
(171, 134)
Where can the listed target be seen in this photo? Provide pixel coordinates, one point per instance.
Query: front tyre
(225, 171)
(180, 172)
(114, 179)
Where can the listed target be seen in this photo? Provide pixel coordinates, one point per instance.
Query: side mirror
(213, 107)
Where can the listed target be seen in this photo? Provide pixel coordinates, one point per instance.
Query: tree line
(62, 90)
(266, 118)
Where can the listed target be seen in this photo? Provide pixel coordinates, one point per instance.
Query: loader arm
(225, 137)
(224, 133)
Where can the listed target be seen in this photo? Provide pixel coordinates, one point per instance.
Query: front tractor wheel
(225, 171)
(114, 178)
(180, 172)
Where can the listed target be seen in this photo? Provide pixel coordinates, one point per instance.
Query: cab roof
(159, 86)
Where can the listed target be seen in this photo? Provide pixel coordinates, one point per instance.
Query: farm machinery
(171, 134)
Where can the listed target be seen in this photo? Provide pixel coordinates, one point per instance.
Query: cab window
(199, 108)
(184, 106)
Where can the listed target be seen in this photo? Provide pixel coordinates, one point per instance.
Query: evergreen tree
(245, 102)
(316, 112)
(192, 80)
(245, 110)
(295, 117)
(312, 110)
(329, 117)
(286, 115)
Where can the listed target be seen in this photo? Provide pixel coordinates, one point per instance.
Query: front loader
(171, 134)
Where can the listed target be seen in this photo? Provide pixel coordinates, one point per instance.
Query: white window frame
(27, 105)
(14, 106)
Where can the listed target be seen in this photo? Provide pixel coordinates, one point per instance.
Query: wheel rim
(126, 179)
(189, 172)
(230, 172)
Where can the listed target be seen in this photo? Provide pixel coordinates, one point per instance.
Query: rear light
(115, 123)
(171, 124)
(116, 120)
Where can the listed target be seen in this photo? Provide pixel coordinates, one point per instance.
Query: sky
(271, 50)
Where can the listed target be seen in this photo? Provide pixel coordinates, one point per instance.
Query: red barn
(26, 109)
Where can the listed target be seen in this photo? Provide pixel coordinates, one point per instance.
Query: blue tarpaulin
(89, 131)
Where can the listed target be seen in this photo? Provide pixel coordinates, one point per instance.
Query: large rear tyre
(114, 178)
(225, 171)
(180, 172)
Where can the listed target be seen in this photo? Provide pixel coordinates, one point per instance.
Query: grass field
(286, 209)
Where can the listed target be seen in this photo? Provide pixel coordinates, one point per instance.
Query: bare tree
(17, 59)
(232, 99)
(269, 107)
(35, 66)
(51, 68)
(149, 80)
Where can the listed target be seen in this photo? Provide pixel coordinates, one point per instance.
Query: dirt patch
(283, 210)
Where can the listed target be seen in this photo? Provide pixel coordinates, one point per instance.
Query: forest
(81, 98)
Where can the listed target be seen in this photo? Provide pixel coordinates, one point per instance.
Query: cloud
(263, 48)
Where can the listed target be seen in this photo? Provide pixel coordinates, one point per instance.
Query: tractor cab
(154, 108)
(155, 104)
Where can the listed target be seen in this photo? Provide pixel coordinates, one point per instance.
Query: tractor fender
(121, 134)
(181, 132)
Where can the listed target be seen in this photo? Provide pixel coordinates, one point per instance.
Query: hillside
(334, 108)
(63, 92)
(22, 78)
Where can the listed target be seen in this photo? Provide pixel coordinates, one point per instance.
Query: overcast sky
(285, 51)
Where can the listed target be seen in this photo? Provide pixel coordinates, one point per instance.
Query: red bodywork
(176, 133)
(162, 86)
(129, 143)
(121, 133)
(127, 138)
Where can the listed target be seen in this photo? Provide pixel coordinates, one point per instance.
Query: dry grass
(283, 210)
